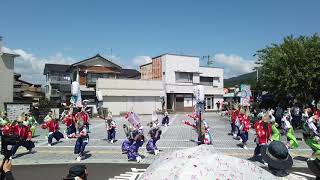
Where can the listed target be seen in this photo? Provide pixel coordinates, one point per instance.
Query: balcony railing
(60, 79)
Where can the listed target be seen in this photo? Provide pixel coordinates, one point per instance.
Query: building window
(184, 77)
(206, 81)
(93, 77)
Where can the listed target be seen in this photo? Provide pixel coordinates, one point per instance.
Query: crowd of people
(269, 125)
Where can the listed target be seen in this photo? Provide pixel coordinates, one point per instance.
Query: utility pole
(1, 44)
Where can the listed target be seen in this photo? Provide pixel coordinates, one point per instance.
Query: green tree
(291, 68)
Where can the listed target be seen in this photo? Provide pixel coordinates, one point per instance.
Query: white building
(122, 95)
(170, 76)
(180, 74)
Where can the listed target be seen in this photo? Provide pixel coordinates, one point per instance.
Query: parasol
(201, 163)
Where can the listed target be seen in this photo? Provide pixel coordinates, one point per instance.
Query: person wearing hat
(288, 129)
(77, 172)
(263, 132)
(311, 134)
(53, 127)
(278, 158)
(111, 128)
(244, 127)
(81, 143)
(314, 166)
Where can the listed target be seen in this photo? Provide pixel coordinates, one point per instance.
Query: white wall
(173, 63)
(120, 95)
(6, 79)
(140, 105)
(212, 72)
(128, 87)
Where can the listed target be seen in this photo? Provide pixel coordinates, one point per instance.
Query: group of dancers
(135, 137)
(76, 121)
(268, 130)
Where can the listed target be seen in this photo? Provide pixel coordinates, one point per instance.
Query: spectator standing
(218, 105)
(296, 116)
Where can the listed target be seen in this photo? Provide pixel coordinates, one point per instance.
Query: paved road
(59, 171)
(176, 136)
(98, 171)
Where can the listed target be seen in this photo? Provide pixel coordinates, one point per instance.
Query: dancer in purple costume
(133, 153)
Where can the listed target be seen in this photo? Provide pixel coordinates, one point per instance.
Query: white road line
(304, 174)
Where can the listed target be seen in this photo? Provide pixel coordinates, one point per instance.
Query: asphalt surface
(176, 136)
(97, 171)
(60, 171)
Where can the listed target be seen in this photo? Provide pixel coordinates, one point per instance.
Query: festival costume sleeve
(275, 133)
(293, 141)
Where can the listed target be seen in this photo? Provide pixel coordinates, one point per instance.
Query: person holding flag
(132, 146)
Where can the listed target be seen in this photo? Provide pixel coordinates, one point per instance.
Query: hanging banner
(245, 92)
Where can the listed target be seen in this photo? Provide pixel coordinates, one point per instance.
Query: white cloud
(140, 60)
(234, 65)
(31, 67)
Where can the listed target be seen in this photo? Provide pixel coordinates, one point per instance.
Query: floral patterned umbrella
(201, 163)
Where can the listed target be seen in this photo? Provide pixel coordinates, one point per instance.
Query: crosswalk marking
(304, 174)
(133, 175)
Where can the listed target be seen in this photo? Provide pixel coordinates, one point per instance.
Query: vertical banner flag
(245, 94)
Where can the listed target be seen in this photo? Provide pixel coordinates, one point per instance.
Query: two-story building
(86, 72)
(180, 74)
(57, 87)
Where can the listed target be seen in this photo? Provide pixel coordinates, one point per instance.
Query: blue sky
(231, 31)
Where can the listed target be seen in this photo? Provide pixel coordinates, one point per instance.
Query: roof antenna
(209, 61)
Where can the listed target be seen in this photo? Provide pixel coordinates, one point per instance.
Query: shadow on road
(300, 158)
